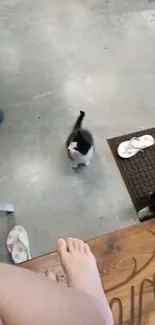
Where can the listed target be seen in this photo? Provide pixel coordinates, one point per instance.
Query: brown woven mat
(138, 172)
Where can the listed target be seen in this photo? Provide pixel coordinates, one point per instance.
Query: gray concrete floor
(57, 57)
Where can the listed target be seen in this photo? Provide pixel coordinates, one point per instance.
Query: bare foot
(80, 267)
(81, 270)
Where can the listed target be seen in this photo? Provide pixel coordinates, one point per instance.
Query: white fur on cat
(77, 157)
(144, 213)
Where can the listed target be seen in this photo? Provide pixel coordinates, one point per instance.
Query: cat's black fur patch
(150, 208)
(83, 137)
(152, 202)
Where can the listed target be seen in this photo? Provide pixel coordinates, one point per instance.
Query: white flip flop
(129, 148)
(18, 245)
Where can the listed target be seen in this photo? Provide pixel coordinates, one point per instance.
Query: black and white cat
(149, 211)
(80, 144)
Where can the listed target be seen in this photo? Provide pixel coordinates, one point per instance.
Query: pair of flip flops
(18, 245)
(128, 149)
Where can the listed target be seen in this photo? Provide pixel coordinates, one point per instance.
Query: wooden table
(126, 261)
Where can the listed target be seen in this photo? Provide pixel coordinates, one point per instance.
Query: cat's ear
(82, 137)
(79, 134)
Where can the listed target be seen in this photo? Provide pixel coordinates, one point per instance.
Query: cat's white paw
(74, 164)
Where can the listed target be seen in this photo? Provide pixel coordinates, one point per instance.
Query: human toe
(61, 246)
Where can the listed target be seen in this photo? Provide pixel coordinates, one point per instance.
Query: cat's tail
(79, 121)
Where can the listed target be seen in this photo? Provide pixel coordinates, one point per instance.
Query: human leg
(26, 299)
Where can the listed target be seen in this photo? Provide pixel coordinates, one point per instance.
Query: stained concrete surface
(57, 57)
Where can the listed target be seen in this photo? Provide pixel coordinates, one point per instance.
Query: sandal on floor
(129, 148)
(18, 245)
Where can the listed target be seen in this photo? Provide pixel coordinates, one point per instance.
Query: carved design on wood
(134, 272)
(132, 310)
(120, 305)
(132, 302)
(140, 309)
